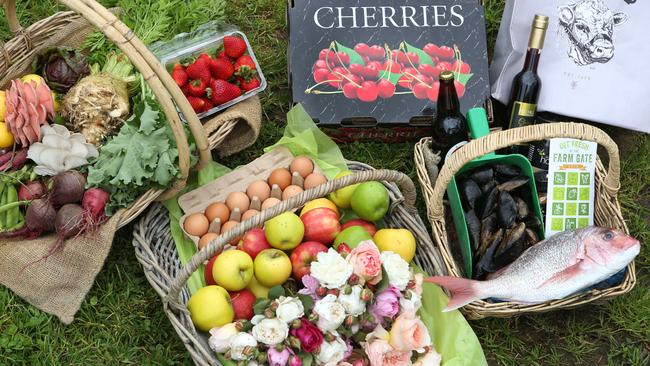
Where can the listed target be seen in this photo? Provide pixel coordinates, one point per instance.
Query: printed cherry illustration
(342, 58)
(377, 53)
(460, 88)
(429, 70)
(350, 91)
(320, 64)
(445, 52)
(362, 49)
(386, 89)
(337, 76)
(366, 59)
(368, 91)
(443, 66)
(327, 55)
(371, 71)
(420, 90)
(431, 49)
(392, 67)
(412, 58)
(407, 77)
(432, 93)
(356, 69)
(464, 67)
(321, 75)
(351, 78)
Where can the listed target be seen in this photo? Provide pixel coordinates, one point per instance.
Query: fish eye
(608, 236)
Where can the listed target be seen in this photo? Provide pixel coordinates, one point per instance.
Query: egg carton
(197, 200)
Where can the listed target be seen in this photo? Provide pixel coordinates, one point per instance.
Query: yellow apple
(319, 203)
(272, 267)
(284, 231)
(400, 241)
(343, 196)
(210, 307)
(260, 291)
(233, 269)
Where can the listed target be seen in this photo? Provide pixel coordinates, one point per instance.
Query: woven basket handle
(499, 140)
(155, 74)
(402, 180)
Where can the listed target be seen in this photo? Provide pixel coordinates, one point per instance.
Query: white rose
(331, 313)
(352, 302)
(257, 318)
(431, 358)
(289, 309)
(397, 269)
(220, 337)
(238, 343)
(330, 269)
(332, 352)
(271, 331)
(412, 304)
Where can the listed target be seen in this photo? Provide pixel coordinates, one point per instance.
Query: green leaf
(148, 119)
(355, 58)
(260, 306)
(462, 78)
(383, 284)
(390, 76)
(275, 292)
(306, 358)
(306, 300)
(424, 58)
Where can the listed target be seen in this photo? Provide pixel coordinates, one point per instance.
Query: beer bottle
(527, 84)
(450, 126)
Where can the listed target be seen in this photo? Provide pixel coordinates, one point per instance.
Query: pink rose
(418, 278)
(278, 358)
(409, 333)
(366, 262)
(386, 303)
(309, 335)
(381, 353)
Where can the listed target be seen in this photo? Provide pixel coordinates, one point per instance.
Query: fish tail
(463, 291)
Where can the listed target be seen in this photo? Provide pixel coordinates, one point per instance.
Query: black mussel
(506, 171)
(487, 187)
(488, 227)
(486, 205)
(512, 184)
(474, 228)
(512, 236)
(522, 208)
(506, 210)
(532, 222)
(486, 264)
(532, 237)
(511, 254)
(494, 238)
(541, 181)
(541, 197)
(471, 192)
(482, 175)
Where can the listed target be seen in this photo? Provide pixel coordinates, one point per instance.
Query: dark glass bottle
(450, 126)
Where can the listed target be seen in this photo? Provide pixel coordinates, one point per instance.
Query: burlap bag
(59, 284)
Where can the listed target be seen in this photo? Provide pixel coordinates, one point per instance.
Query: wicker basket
(607, 209)
(70, 28)
(156, 251)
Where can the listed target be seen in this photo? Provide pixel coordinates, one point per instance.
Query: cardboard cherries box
(375, 64)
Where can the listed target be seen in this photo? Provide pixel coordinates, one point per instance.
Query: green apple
(343, 196)
(370, 201)
(260, 291)
(233, 270)
(284, 231)
(352, 236)
(272, 267)
(210, 307)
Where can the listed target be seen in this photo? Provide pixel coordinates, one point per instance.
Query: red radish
(67, 187)
(31, 191)
(94, 203)
(39, 220)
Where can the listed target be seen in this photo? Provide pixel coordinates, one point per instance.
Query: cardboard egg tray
(237, 181)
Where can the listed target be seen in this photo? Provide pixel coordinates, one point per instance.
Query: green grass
(122, 322)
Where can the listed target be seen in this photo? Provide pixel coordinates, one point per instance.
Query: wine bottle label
(523, 114)
(536, 152)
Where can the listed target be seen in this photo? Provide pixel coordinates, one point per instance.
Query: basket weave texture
(70, 28)
(156, 251)
(607, 208)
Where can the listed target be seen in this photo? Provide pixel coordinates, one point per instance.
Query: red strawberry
(205, 56)
(221, 68)
(245, 67)
(179, 75)
(254, 83)
(197, 104)
(186, 90)
(234, 46)
(197, 87)
(199, 70)
(222, 54)
(208, 104)
(223, 91)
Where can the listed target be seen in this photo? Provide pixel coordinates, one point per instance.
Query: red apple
(242, 303)
(321, 225)
(254, 242)
(303, 255)
(366, 225)
(207, 274)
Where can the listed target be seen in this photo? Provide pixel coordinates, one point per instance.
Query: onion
(67, 187)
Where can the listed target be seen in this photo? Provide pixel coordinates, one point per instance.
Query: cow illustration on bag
(589, 26)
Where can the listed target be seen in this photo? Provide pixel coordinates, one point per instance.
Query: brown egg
(314, 179)
(227, 226)
(290, 192)
(238, 200)
(206, 239)
(260, 189)
(281, 177)
(196, 224)
(270, 202)
(303, 165)
(217, 210)
(248, 214)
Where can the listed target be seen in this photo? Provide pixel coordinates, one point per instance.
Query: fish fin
(563, 275)
(463, 291)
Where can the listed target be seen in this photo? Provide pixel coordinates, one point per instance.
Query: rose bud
(366, 295)
(347, 289)
(295, 361)
(353, 280)
(261, 358)
(274, 305)
(408, 295)
(349, 321)
(330, 337)
(344, 249)
(296, 323)
(294, 342)
(313, 317)
(269, 313)
(239, 325)
(321, 291)
(411, 284)
(334, 292)
(248, 350)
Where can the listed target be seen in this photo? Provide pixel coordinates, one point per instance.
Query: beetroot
(39, 220)
(31, 191)
(67, 187)
(94, 203)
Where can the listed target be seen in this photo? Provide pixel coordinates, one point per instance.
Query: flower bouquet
(357, 307)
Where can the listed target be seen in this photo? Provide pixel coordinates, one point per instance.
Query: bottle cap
(538, 32)
(540, 21)
(446, 75)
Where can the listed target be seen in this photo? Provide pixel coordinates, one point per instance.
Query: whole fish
(555, 268)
